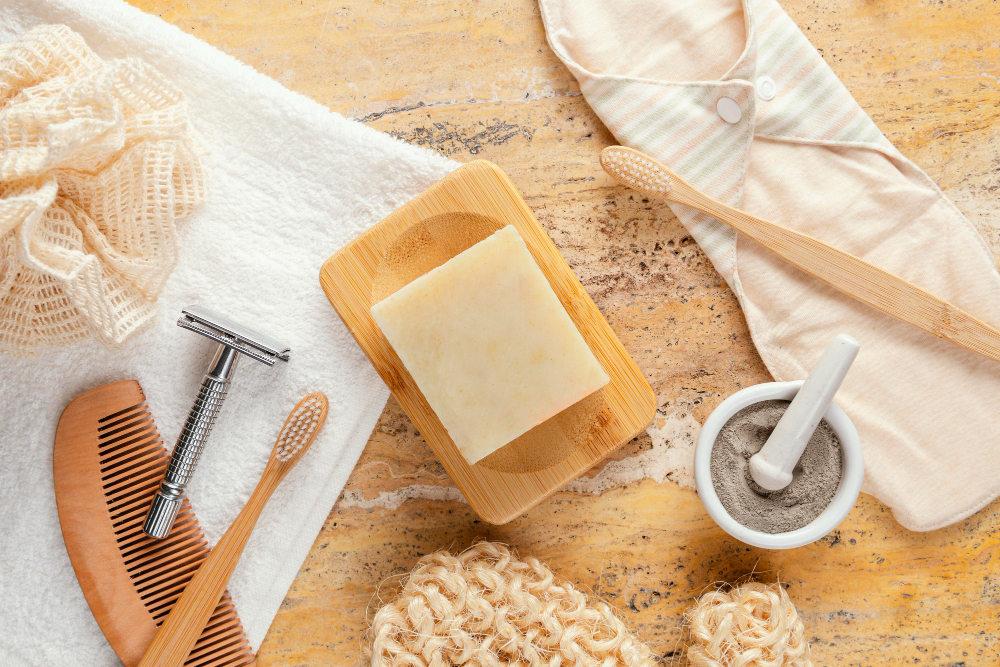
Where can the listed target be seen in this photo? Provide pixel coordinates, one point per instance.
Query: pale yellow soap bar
(489, 345)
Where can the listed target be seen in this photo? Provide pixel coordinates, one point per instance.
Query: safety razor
(234, 340)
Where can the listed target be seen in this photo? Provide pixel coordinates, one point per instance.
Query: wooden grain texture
(477, 80)
(192, 613)
(481, 189)
(108, 460)
(840, 270)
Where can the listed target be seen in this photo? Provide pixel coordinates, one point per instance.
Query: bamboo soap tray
(463, 208)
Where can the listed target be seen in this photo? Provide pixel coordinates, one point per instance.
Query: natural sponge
(486, 607)
(98, 161)
(753, 625)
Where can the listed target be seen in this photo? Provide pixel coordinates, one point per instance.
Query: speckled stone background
(477, 80)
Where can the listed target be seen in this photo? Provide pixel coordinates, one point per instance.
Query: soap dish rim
(457, 193)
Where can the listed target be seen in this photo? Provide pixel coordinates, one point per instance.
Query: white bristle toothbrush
(179, 633)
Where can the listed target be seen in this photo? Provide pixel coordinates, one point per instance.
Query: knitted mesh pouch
(98, 161)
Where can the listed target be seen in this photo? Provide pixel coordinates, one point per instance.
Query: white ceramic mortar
(840, 506)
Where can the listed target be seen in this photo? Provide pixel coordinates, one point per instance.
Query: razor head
(242, 339)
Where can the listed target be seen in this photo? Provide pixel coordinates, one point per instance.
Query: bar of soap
(489, 344)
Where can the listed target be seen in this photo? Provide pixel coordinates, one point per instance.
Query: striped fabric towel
(732, 96)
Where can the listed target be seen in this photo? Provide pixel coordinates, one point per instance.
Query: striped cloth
(811, 159)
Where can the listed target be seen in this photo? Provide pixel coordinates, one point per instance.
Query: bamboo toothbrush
(840, 270)
(107, 463)
(178, 634)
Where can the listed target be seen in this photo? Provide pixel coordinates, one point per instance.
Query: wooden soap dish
(462, 209)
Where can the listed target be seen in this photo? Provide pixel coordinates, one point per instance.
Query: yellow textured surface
(477, 80)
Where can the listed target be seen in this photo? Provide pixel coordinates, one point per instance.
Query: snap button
(766, 88)
(729, 110)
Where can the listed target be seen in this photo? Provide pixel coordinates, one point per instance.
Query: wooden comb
(107, 462)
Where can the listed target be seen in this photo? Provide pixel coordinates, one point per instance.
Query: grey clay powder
(815, 478)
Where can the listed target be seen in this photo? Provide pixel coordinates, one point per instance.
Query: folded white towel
(289, 183)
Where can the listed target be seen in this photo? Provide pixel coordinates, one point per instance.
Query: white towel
(289, 183)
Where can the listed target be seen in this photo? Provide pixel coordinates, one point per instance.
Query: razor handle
(187, 451)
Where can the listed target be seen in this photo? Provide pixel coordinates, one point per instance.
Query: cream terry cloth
(288, 184)
(802, 153)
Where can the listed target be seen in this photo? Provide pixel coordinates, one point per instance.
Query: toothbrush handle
(189, 616)
(851, 275)
(840, 270)
(167, 501)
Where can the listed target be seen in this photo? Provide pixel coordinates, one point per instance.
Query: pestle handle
(772, 466)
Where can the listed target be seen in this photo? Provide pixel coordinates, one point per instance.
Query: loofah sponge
(485, 607)
(753, 625)
(98, 161)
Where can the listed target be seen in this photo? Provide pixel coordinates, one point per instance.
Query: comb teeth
(132, 463)
(637, 171)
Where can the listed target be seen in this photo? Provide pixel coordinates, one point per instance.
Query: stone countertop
(477, 80)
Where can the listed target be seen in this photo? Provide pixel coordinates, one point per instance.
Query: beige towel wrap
(802, 153)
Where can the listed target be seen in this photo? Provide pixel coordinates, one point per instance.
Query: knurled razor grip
(234, 340)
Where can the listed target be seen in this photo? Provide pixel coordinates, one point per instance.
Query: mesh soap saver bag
(98, 161)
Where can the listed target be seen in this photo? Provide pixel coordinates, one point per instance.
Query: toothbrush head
(636, 170)
(300, 429)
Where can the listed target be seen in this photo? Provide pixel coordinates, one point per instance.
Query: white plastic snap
(729, 109)
(766, 88)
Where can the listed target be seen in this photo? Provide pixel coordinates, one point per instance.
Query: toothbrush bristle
(637, 171)
(301, 426)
